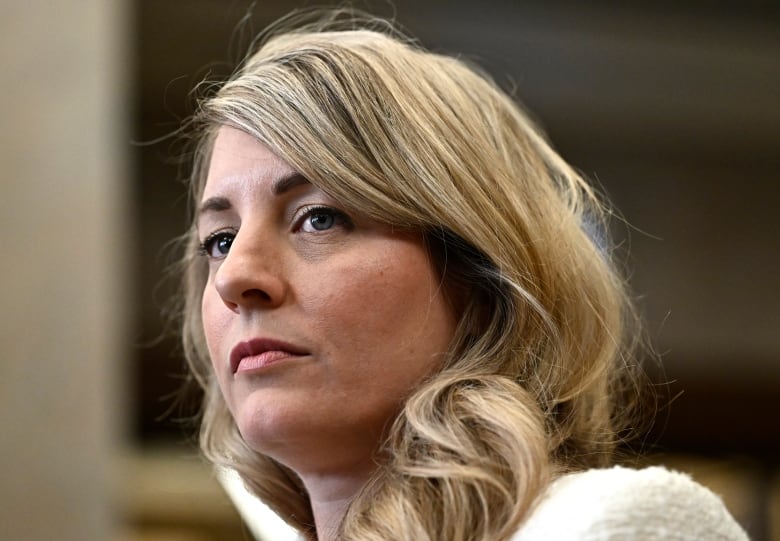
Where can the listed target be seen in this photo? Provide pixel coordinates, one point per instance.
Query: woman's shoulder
(622, 503)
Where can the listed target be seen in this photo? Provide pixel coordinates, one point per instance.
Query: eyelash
(307, 212)
(207, 245)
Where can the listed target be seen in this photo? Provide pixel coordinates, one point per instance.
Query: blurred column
(63, 141)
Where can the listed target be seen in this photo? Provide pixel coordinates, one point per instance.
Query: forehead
(238, 159)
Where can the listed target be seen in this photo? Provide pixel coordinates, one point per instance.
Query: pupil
(321, 221)
(223, 245)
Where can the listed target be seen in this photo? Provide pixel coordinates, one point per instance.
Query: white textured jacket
(616, 504)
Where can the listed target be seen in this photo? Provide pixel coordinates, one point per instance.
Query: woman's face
(319, 322)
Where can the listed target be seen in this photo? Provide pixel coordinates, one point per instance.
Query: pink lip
(260, 352)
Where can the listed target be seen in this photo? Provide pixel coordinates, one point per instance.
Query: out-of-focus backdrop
(671, 107)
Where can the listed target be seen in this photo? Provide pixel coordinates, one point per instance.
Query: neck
(330, 497)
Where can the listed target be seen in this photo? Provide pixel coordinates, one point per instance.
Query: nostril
(257, 294)
(233, 307)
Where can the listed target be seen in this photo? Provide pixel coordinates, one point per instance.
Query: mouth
(261, 352)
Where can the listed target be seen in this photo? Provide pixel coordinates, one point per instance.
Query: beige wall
(62, 169)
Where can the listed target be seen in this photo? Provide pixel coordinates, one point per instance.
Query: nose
(251, 274)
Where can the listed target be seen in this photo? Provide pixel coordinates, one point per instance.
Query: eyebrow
(280, 186)
(214, 204)
(287, 183)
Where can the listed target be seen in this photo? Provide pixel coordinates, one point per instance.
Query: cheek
(215, 328)
(386, 315)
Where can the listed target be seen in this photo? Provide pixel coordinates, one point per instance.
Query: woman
(402, 309)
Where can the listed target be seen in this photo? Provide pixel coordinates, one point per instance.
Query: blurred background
(670, 107)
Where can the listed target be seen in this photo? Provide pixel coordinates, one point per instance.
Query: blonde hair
(541, 365)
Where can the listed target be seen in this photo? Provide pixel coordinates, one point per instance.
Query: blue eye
(217, 245)
(319, 219)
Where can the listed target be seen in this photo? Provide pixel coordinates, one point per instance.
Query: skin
(362, 305)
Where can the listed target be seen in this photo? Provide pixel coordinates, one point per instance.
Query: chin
(269, 423)
(295, 431)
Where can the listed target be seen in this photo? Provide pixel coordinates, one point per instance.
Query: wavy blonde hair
(541, 366)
